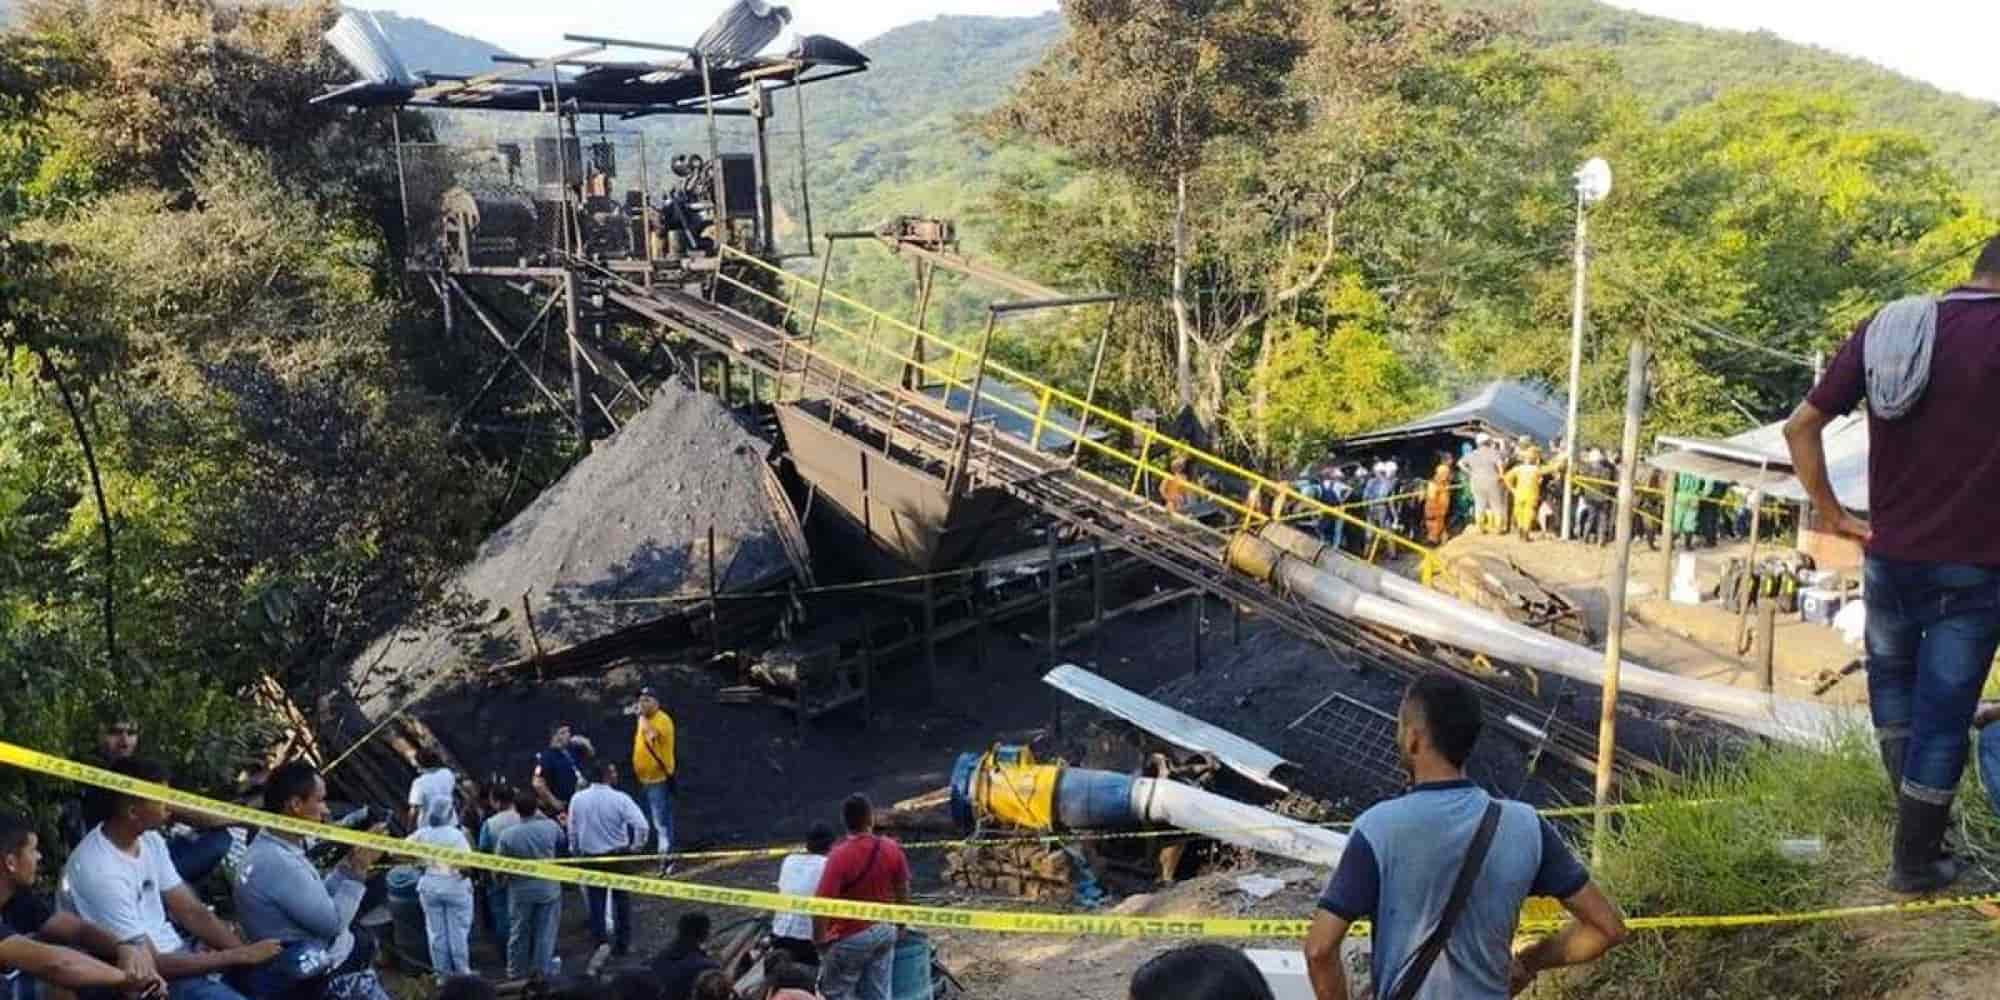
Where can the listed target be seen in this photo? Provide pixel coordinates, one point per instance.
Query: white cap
(1482, 438)
(1389, 467)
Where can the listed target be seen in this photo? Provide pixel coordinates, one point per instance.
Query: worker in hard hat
(1524, 481)
(1437, 504)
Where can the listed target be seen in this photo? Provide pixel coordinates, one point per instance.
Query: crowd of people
(129, 918)
(1497, 485)
(127, 921)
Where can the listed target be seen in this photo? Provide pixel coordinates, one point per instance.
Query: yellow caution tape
(781, 850)
(1000, 921)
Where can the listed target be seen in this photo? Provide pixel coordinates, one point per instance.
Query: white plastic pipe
(1345, 585)
(1232, 822)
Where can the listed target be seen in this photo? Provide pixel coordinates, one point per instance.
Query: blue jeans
(619, 936)
(498, 912)
(447, 903)
(201, 988)
(533, 918)
(1932, 631)
(660, 803)
(859, 967)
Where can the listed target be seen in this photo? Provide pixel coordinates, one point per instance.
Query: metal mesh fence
(1346, 751)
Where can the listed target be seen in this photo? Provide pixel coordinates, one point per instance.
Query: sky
(1948, 43)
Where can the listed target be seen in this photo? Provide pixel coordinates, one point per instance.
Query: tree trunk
(1183, 324)
(103, 509)
(1260, 393)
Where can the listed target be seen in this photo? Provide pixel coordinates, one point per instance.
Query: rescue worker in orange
(1437, 504)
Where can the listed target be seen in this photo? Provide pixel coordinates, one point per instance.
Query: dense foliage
(201, 319)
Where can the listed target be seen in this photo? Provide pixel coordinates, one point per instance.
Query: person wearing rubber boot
(1929, 369)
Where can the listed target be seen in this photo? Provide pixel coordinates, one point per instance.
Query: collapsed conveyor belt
(1110, 492)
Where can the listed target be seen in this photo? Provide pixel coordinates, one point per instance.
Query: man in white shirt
(121, 878)
(605, 821)
(792, 933)
(434, 780)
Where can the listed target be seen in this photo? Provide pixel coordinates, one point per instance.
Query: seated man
(197, 852)
(94, 958)
(121, 878)
(280, 895)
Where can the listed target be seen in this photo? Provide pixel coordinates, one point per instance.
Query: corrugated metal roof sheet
(1182, 730)
(1504, 405)
(1738, 459)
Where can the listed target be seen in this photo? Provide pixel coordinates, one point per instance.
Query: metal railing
(1148, 457)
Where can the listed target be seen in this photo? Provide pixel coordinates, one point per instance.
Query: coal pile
(626, 525)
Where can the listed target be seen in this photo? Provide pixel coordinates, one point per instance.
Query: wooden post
(930, 632)
(534, 636)
(1666, 527)
(1756, 498)
(575, 360)
(1614, 641)
(1767, 644)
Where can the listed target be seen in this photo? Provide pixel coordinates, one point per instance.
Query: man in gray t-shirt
(1482, 467)
(1404, 857)
(534, 905)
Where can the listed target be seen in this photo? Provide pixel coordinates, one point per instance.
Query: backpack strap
(1419, 965)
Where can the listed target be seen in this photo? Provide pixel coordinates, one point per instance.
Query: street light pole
(1593, 182)
(1575, 367)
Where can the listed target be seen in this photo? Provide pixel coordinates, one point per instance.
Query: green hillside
(425, 46)
(1674, 65)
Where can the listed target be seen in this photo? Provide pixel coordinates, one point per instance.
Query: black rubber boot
(1920, 863)
(1895, 749)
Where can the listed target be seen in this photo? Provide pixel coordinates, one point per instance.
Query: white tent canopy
(1759, 459)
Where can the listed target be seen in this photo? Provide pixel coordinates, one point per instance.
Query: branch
(54, 374)
(1312, 277)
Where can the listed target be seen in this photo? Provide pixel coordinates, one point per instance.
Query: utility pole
(1593, 183)
(1614, 626)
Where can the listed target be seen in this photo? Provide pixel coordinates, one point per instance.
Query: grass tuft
(1725, 858)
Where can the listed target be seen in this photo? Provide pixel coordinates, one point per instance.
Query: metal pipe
(1056, 303)
(623, 43)
(1304, 567)
(805, 192)
(1575, 366)
(1090, 393)
(721, 209)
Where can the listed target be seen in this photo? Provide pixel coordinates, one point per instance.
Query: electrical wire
(1705, 327)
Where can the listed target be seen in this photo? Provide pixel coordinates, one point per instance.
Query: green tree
(1145, 89)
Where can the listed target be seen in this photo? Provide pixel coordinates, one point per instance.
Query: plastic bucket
(911, 977)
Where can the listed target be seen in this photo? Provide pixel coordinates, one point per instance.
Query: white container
(1819, 605)
(1285, 970)
(1686, 589)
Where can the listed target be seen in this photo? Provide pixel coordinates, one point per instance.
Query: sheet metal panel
(1182, 730)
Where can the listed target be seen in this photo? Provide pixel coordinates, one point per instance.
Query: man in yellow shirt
(1524, 481)
(653, 764)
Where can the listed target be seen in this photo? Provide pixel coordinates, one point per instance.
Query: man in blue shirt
(556, 772)
(1405, 855)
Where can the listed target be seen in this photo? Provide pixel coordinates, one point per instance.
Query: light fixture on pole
(1593, 183)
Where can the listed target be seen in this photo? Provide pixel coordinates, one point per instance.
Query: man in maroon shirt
(1933, 568)
(856, 956)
